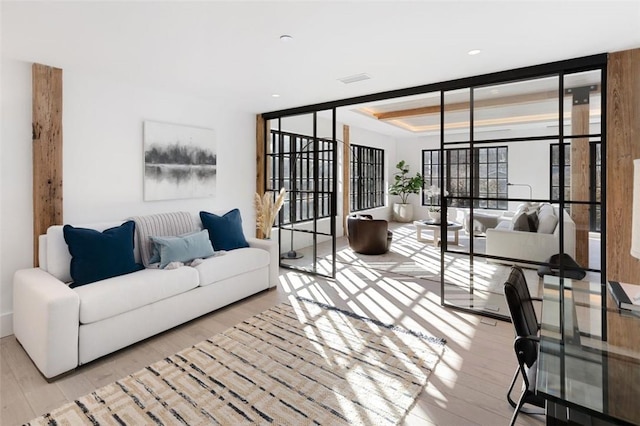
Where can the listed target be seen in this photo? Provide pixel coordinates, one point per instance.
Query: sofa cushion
(532, 217)
(56, 250)
(547, 219)
(114, 296)
(521, 222)
(161, 225)
(506, 225)
(225, 232)
(99, 255)
(183, 248)
(231, 263)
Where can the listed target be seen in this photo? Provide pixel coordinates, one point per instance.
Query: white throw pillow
(547, 219)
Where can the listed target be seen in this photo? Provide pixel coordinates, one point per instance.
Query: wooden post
(260, 154)
(260, 161)
(346, 166)
(623, 146)
(47, 150)
(580, 162)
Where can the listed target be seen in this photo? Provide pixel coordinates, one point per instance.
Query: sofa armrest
(274, 256)
(46, 320)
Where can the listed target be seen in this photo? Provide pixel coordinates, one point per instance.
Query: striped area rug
(297, 363)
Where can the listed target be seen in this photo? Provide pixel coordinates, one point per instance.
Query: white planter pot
(435, 216)
(403, 212)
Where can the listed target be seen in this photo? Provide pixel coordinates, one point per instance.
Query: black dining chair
(525, 323)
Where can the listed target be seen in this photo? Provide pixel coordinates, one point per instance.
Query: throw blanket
(160, 225)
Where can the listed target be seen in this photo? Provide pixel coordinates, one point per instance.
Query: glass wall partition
(515, 158)
(523, 159)
(304, 164)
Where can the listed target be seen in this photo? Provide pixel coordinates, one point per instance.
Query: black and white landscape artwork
(179, 161)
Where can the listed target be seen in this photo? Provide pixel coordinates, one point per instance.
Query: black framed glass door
(304, 164)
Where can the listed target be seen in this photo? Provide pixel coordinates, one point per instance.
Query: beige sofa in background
(504, 241)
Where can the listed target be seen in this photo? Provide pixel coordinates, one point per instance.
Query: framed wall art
(179, 161)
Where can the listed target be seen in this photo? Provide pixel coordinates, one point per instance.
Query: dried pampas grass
(266, 210)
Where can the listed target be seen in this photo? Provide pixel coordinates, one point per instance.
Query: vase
(402, 212)
(435, 216)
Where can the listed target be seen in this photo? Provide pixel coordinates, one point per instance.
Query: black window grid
(366, 178)
(291, 160)
(489, 171)
(595, 171)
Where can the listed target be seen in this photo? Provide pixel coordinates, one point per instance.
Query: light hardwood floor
(467, 387)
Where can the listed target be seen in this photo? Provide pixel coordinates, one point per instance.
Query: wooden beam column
(260, 160)
(47, 150)
(260, 155)
(623, 146)
(346, 181)
(580, 177)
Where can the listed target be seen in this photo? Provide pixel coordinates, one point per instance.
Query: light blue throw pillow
(184, 248)
(155, 249)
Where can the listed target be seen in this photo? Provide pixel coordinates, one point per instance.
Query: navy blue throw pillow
(99, 255)
(225, 232)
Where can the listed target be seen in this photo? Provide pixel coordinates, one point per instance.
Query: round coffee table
(422, 225)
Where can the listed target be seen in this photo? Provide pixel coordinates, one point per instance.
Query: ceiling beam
(484, 103)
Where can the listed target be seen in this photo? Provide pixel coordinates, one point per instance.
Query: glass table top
(589, 356)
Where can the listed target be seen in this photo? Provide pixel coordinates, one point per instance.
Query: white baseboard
(6, 324)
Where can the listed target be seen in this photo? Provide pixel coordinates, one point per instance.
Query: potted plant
(434, 209)
(404, 185)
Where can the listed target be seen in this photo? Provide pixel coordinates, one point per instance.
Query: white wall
(359, 136)
(103, 158)
(410, 150)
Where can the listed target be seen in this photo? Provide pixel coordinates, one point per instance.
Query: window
(431, 174)
(296, 175)
(596, 185)
(555, 172)
(595, 170)
(490, 176)
(367, 178)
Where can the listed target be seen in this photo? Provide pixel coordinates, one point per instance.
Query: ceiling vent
(353, 78)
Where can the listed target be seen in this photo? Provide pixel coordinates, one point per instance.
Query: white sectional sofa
(62, 327)
(538, 245)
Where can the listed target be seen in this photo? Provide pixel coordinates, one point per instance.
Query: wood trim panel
(47, 150)
(346, 181)
(623, 146)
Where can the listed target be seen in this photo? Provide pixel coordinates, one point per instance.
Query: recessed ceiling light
(474, 52)
(275, 95)
(285, 38)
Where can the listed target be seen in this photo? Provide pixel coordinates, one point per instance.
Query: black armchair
(525, 323)
(368, 235)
